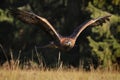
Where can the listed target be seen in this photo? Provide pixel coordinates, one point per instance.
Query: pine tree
(103, 42)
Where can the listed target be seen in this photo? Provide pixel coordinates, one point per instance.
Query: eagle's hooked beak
(68, 43)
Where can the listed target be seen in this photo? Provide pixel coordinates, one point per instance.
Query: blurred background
(96, 47)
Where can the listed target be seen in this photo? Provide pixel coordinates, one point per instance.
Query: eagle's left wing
(92, 22)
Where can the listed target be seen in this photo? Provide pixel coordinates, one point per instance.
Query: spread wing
(32, 18)
(92, 22)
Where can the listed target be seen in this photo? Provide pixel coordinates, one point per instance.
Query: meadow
(53, 74)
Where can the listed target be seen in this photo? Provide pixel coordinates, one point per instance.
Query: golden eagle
(64, 43)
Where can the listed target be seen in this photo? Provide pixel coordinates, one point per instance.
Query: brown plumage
(64, 43)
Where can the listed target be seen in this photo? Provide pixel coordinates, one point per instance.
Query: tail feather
(50, 45)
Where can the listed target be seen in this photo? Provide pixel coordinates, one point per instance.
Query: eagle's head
(67, 43)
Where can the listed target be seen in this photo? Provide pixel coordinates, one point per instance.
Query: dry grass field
(57, 75)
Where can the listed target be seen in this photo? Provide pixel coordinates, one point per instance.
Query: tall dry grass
(12, 71)
(57, 75)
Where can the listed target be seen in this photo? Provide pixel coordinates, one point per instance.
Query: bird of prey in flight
(59, 41)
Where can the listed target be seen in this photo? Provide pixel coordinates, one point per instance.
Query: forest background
(98, 46)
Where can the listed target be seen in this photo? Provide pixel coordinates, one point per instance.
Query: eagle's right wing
(32, 18)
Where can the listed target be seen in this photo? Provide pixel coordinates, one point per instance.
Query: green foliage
(116, 2)
(105, 45)
(4, 16)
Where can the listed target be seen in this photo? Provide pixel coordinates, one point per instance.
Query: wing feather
(91, 22)
(31, 18)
